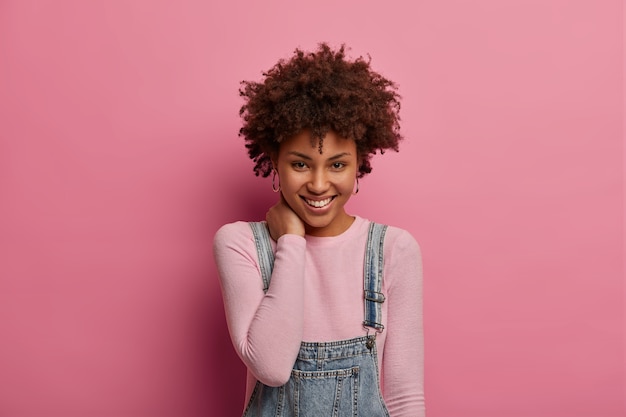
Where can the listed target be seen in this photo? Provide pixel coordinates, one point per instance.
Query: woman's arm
(403, 360)
(266, 329)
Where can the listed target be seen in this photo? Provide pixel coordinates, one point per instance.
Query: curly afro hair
(318, 92)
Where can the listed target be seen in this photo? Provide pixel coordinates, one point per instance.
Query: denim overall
(337, 378)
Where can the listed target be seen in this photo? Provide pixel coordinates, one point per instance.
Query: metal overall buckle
(371, 339)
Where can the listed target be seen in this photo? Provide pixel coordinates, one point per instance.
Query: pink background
(119, 159)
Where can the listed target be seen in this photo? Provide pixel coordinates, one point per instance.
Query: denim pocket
(325, 393)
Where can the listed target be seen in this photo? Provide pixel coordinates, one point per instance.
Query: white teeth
(318, 203)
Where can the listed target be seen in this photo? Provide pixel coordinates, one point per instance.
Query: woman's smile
(318, 203)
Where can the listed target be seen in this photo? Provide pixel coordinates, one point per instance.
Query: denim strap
(264, 251)
(373, 277)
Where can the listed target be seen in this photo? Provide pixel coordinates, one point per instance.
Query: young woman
(323, 307)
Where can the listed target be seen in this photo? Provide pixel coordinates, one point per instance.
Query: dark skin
(282, 220)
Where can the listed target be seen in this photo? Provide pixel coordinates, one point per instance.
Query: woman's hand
(282, 220)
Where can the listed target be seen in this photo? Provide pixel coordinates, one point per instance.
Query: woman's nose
(318, 182)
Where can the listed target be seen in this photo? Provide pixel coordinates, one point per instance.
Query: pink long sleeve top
(316, 295)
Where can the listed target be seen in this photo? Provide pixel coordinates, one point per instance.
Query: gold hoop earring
(355, 192)
(274, 182)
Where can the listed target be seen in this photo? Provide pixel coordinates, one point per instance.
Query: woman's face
(317, 185)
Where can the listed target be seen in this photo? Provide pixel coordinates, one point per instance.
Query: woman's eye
(338, 165)
(299, 165)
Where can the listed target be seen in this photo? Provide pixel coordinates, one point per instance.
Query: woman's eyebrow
(308, 158)
(339, 156)
(300, 155)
